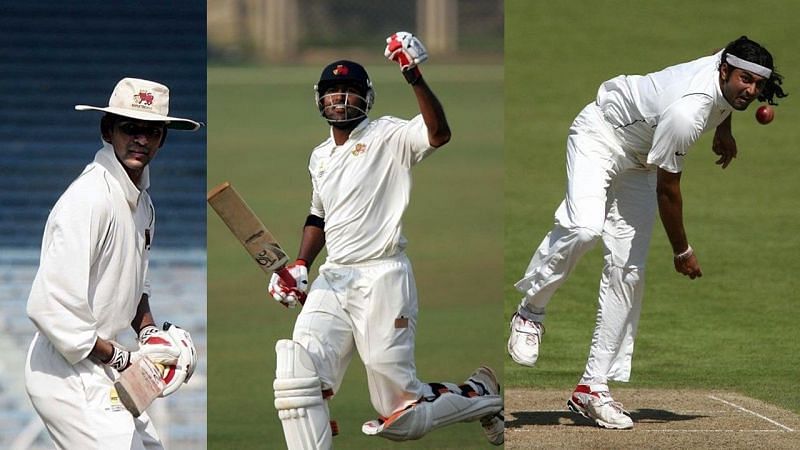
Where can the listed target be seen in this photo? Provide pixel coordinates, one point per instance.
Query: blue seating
(58, 54)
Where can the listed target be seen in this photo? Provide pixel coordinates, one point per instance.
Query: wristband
(412, 75)
(120, 359)
(146, 332)
(301, 262)
(684, 255)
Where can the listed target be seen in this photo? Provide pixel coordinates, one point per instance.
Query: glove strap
(146, 332)
(412, 75)
(120, 359)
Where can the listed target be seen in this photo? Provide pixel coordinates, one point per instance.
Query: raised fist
(406, 50)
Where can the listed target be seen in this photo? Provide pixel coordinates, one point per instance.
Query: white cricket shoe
(595, 403)
(493, 425)
(523, 344)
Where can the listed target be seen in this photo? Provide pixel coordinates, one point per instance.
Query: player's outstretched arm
(724, 144)
(670, 208)
(406, 50)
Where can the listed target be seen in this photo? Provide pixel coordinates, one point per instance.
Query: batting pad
(298, 399)
(417, 420)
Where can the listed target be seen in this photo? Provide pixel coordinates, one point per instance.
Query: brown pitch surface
(664, 419)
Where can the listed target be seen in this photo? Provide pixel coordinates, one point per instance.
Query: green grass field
(262, 126)
(734, 329)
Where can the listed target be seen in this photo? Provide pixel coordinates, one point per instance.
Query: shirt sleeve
(152, 231)
(316, 201)
(58, 304)
(680, 127)
(410, 138)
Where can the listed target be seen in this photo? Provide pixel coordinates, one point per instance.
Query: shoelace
(614, 404)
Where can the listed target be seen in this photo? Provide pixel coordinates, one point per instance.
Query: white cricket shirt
(362, 188)
(658, 116)
(94, 260)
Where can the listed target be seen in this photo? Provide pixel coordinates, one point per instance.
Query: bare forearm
(725, 126)
(432, 114)
(102, 351)
(670, 208)
(311, 244)
(143, 316)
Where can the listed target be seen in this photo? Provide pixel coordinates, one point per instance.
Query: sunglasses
(137, 129)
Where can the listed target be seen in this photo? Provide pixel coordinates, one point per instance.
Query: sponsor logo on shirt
(359, 149)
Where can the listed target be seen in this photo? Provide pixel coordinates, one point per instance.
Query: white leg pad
(298, 399)
(417, 420)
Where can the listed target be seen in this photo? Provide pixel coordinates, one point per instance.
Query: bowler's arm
(724, 144)
(670, 208)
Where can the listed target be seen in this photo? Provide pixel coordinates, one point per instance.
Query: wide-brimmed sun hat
(143, 100)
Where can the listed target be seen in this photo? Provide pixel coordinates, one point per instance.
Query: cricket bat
(139, 385)
(250, 231)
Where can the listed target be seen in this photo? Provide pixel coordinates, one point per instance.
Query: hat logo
(143, 97)
(341, 70)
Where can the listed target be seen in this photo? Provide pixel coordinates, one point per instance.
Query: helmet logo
(341, 70)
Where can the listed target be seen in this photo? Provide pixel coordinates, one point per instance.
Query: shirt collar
(108, 159)
(356, 131)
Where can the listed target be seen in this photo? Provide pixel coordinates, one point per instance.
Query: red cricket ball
(765, 114)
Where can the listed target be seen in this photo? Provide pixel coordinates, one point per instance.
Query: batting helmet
(347, 73)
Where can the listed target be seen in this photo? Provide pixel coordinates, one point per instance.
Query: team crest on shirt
(359, 149)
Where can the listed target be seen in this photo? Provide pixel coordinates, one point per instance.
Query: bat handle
(287, 277)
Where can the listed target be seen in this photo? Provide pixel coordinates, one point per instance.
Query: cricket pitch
(664, 419)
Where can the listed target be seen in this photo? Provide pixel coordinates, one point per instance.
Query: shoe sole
(574, 407)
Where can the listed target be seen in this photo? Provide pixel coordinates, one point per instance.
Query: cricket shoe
(595, 403)
(523, 344)
(493, 425)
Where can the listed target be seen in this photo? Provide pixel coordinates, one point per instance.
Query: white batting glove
(405, 49)
(175, 376)
(157, 345)
(290, 296)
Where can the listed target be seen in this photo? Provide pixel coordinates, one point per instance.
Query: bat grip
(286, 277)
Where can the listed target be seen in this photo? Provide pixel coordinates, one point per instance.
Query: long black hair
(749, 50)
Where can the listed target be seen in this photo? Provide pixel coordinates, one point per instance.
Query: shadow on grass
(524, 418)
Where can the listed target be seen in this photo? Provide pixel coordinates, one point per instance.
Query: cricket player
(92, 283)
(365, 299)
(625, 155)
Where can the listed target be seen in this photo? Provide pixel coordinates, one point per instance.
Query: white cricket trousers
(78, 404)
(372, 308)
(610, 195)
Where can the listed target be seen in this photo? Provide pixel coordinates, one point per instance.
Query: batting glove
(175, 376)
(405, 49)
(290, 296)
(157, 345)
